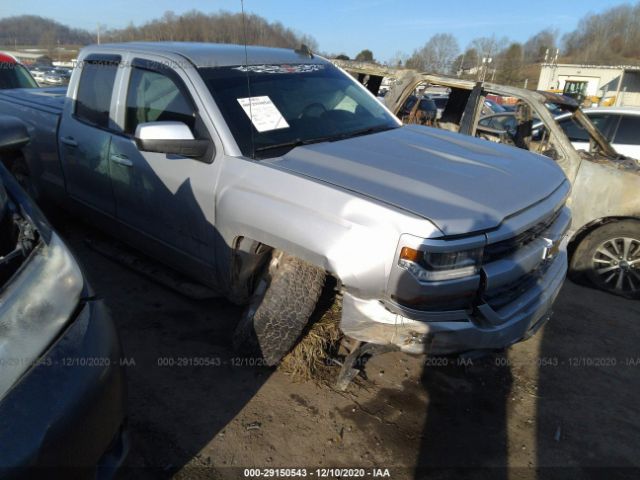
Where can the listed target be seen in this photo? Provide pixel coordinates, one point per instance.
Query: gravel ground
(562, 404)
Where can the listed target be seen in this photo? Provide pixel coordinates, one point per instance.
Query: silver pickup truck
(263, 172)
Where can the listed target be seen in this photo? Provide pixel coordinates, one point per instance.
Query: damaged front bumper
(448, 332)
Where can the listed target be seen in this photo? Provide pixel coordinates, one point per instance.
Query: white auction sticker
(263, 113)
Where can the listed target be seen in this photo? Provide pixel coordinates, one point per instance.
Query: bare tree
(437, 55)
(398, 59)
(612, 36)
(537, 46)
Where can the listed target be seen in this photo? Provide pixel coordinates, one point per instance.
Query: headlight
(438, 266)
(35, 306)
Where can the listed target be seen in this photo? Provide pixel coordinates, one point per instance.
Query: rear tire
(284, 298)
(609, 257)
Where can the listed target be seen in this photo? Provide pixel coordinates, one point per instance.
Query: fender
(350, 236)
(602, 191)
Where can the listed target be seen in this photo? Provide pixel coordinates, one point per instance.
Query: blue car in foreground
(62, 387)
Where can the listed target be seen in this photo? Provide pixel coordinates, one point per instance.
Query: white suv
(621, 126)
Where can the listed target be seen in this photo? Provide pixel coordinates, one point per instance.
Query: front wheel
(284, 298)
(610, 258)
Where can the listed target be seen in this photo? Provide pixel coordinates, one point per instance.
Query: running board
(155, 271)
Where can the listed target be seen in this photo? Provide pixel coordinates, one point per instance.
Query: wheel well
(248, 257)
(590, 227)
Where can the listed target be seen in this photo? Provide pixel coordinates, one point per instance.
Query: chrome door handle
(121, 160)
(70, 141)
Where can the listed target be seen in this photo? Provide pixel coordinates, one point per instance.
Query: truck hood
(461, 184)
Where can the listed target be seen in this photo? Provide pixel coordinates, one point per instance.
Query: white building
(619, 85)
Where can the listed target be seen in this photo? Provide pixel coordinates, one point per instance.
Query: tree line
(34, 30)
(611, 37)
(221, 27)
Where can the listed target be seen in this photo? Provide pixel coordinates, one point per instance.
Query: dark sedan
(62, 388)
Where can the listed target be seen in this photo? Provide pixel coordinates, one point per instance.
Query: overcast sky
(341, 26)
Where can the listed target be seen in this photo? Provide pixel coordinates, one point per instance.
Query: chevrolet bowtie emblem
(551, 248)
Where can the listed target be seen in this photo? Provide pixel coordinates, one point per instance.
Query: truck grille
(503, 248)
(509, 293)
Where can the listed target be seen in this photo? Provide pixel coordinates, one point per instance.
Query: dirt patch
(567, 397)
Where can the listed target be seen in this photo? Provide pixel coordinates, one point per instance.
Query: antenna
(304, 50)
(246, 69)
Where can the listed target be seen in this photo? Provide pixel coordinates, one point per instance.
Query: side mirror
(169, 137)
(13, 134)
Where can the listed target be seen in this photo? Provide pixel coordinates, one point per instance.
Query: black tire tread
(290, 299)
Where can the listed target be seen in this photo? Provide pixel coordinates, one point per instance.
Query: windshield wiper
(292, 144)
(329, 138)
(363, 131)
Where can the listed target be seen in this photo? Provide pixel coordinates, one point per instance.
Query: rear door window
(629, 130)
(93, 100)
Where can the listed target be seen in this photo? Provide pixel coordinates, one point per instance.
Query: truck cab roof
(213, 54)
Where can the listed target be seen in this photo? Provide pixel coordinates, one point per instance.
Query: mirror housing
(13, 134)
(171, 138)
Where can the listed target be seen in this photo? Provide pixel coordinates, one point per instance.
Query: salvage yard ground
(566, 398)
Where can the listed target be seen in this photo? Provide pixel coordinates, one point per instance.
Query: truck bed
(40, 109)
(47, 99)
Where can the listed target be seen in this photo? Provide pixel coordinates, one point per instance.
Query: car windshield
(14, 75)
(271, 109)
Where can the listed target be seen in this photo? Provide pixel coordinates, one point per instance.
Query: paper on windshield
(264, 115)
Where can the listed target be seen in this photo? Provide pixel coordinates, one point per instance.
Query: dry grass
(311, 357)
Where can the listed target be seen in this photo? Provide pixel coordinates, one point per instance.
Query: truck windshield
(14, 75)
(271, 109)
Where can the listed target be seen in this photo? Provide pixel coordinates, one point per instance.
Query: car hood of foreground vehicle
(462, 184)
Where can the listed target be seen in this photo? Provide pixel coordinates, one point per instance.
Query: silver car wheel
(617, 262)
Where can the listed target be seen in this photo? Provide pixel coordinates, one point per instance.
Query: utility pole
(485, 66)
(461, 71)
(98, 34)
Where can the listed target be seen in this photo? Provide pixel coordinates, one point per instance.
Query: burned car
(62, 388)
(604, 239)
